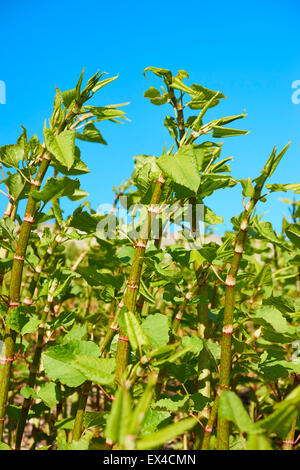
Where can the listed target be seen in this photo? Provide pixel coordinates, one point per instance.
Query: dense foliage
(114, 336)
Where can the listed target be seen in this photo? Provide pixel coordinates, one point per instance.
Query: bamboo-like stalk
(78, 423)
(288, 443)
(225, 365)
(28, 300)
(130, 296)
(15, 285)
(227, 331)
(210, 423)
(10, 211)
(204, 382)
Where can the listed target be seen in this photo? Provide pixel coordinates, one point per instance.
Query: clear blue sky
(247, 50)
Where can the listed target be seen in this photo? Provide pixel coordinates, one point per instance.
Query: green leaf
(211, 218)
(91, 134)
(78, 167)
(22, 322)
(28, 392)
(295, 187)
(31, 325)
(293, 232)
(228, 119)
(125, 254)
(258, 442)
(56, 188)
(17, 185)
(271, 316)
(57, 211)
(96, 370)
(162, 73)
(193, 343)
(220, 132)
(266, 231)
(201, 96)
(68, 97)
(171, 124)
(194, 402)
(146, 171)
(231, 408)
(85, 222)
(82, 444)
(61, 146)
(58, 360)
(163, 436)
(7, 229)
(274, 366)
(118, 420)
(11, 155)
(284, 303)
(78, 86)
(280, 421)
(155, 97)
(77, 195)
(106, 113)
(152, 421)
(103, 83)
(94, 418)
(4, 446)
(156, 328)
(273, 161)
(49, 394)
(248, 189)
(77, 332)
(182, 168)
(136, 335)
(213, 182)
(96, 278)
(174, 404)
(139, 413)
(146, 293)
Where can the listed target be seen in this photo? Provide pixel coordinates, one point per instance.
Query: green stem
(225, 364)
(204, 329)
(210, 423)
(15, 286)
(10, 212)
(28, 300)
(83, 396)
(204, 383)
(130, 296)
(288, 444)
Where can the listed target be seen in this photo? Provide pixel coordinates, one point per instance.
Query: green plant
(117, 334)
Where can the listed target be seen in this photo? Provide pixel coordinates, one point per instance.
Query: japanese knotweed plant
(31, 160)
(118, 335)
